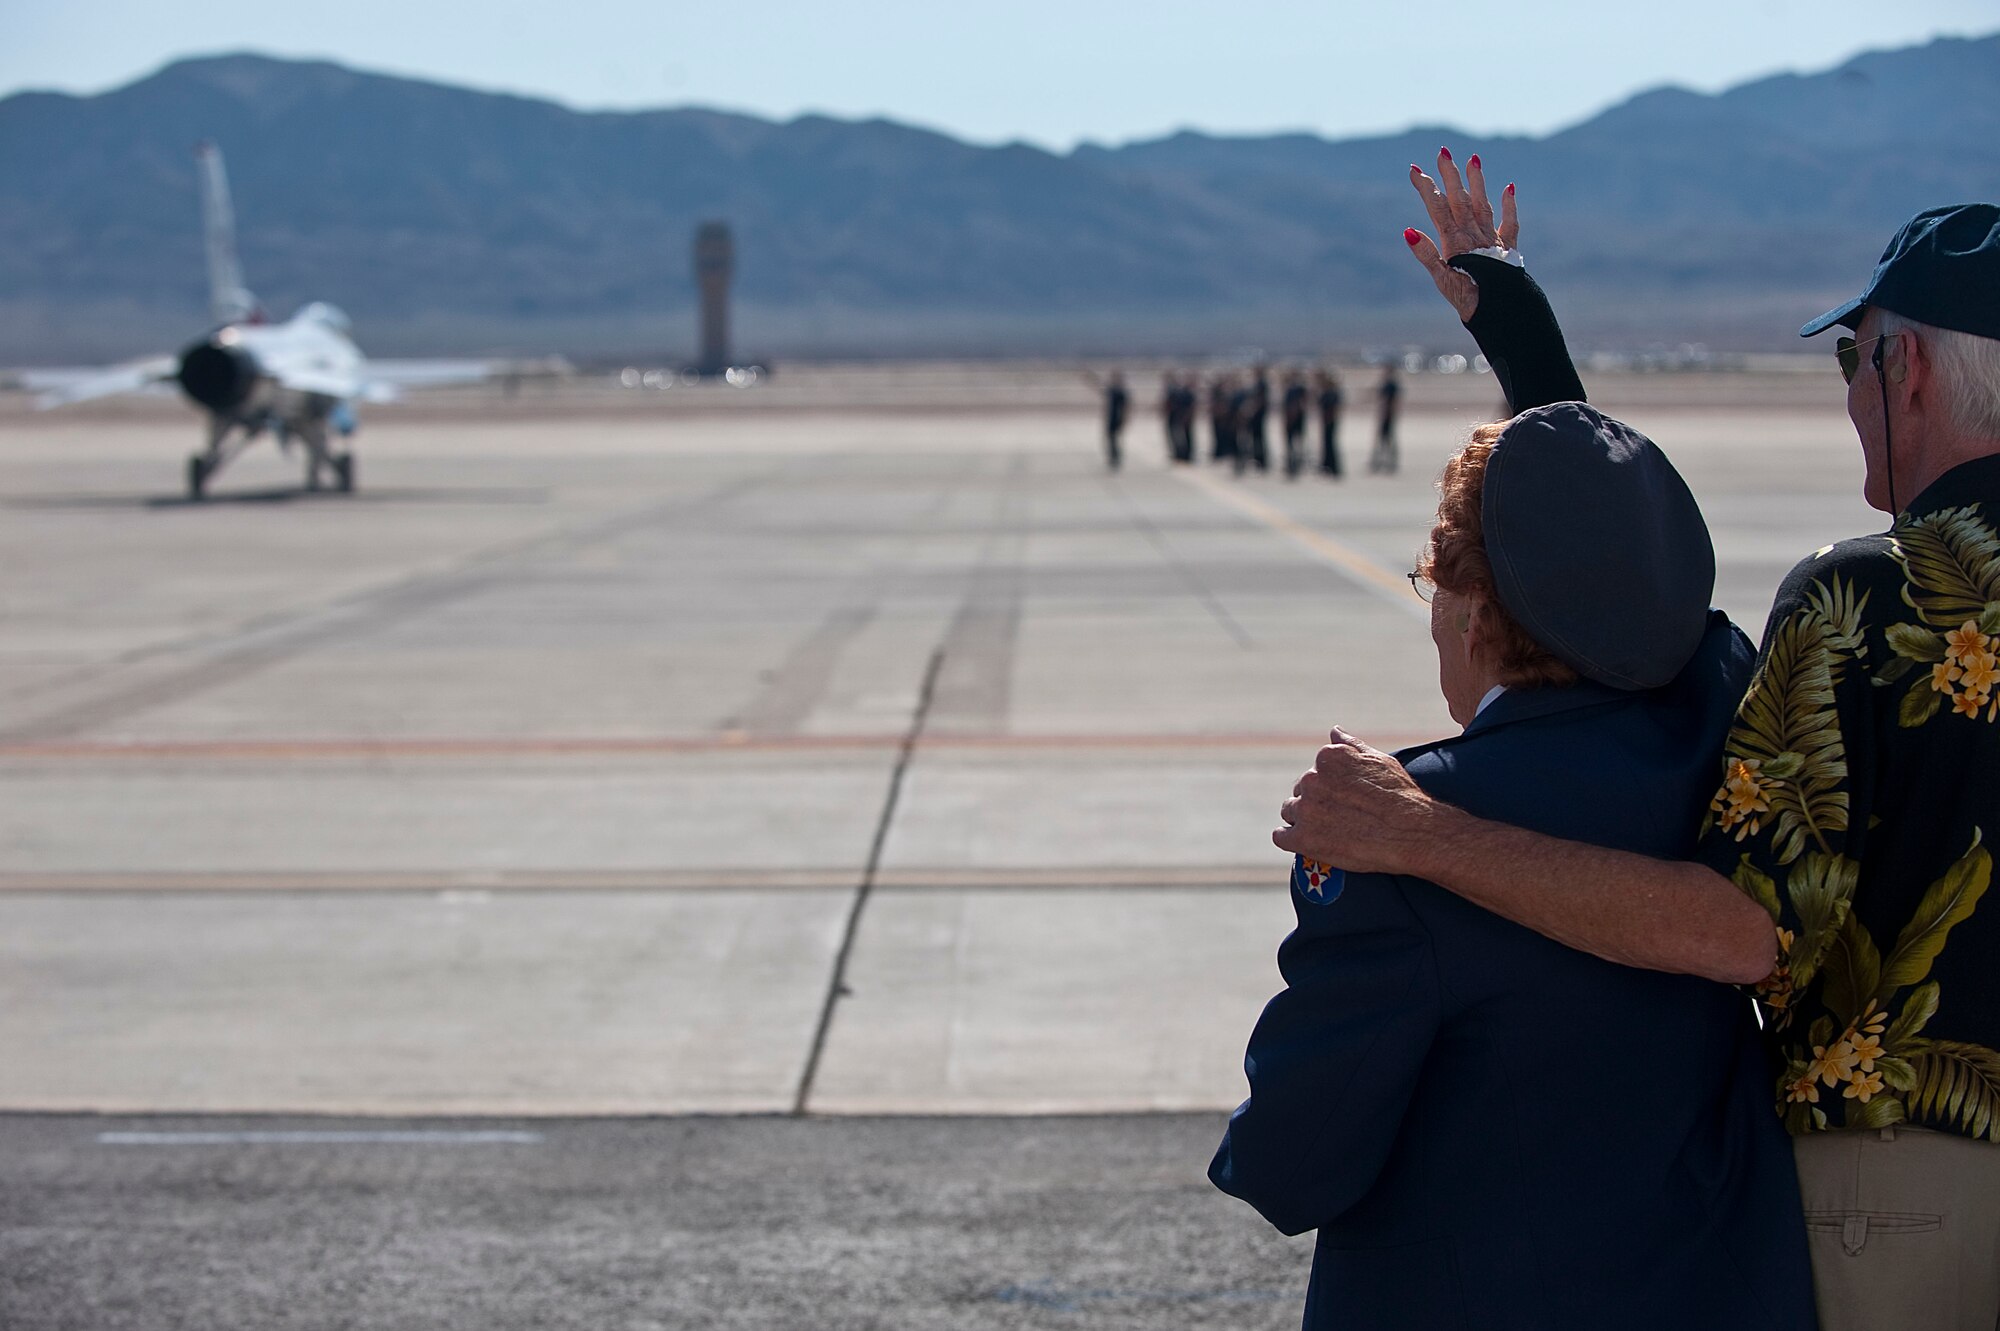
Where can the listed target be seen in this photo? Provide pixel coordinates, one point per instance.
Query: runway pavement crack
(966, 674)
(837, 985)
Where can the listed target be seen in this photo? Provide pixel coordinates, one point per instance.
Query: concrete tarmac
(697, 859)
(560, 769)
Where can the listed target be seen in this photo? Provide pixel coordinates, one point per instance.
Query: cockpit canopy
(325, 315)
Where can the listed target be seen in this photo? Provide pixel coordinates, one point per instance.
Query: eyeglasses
(1422, 586)
(1848, 352)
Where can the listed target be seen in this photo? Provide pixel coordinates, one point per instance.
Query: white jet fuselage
(287, 377)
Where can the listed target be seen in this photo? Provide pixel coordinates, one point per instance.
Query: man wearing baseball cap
(1852, 819)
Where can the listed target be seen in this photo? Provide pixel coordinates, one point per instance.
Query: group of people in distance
(1664, 994)
(1239, 407)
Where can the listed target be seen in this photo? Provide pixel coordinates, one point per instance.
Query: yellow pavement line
(1392, 585)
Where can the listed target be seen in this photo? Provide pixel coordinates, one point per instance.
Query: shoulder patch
(1315, 881)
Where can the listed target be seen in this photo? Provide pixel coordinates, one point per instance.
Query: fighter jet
(297, 381)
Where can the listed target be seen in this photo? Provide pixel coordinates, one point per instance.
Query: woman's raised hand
(1464, 221)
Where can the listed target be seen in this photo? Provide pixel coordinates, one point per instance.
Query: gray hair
(1967, 369)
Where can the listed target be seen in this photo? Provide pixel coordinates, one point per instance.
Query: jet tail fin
(229, 301)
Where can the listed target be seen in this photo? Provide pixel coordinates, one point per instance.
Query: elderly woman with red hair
(1487, 1129)
(1454, 563)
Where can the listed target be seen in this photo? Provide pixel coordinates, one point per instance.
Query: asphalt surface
(155, 1224)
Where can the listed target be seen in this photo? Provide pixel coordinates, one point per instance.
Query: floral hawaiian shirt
(1861, 780)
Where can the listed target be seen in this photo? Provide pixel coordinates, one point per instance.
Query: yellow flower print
(1741, 802)
(1805, 1089)
(1867, 1048)
(1965, 641)
(1968, 704)
(1980, 673)
(1943, 675)
(1864, 1088)
(1833, 1066)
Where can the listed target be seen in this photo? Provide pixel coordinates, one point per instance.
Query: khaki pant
(1904, 1227)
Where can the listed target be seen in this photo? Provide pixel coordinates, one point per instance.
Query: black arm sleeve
(1518, 334)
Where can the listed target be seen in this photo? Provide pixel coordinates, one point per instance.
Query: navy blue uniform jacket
(1491, 1131)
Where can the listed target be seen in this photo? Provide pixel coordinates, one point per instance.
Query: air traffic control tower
(714, 265)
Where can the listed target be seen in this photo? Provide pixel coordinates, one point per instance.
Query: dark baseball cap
(1941, 269)
(1598, 548)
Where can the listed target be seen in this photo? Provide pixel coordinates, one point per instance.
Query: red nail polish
(1411, 235)
(1475, 160)
(1510, 187)
(1415, 167)
(1445, 153)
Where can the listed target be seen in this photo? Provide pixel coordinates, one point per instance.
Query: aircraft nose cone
(216, 376)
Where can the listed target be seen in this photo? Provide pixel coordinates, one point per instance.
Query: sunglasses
(1848, 352)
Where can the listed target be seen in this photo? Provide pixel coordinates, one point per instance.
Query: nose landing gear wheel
(197, 477)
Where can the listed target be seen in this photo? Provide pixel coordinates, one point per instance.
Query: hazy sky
(1049, 71)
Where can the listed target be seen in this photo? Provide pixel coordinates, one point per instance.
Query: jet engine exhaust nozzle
(217, 377)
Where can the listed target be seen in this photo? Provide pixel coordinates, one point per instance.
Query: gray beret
(1598, 548)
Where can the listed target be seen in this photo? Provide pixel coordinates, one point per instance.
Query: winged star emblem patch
(1316, 881)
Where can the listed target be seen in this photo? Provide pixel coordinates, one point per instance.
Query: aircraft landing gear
(323, 465)
(197, 476)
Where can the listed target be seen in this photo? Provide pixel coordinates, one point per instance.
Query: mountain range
(447, 220)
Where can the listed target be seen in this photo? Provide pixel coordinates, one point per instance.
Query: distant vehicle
(297, 381)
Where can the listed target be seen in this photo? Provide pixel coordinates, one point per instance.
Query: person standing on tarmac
(1257, 408)
(1221, 419)
(1180, 417)
(1329, 422)
(1248, 426)
(1117, 403)
(1294, 407)
(1388, 398)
